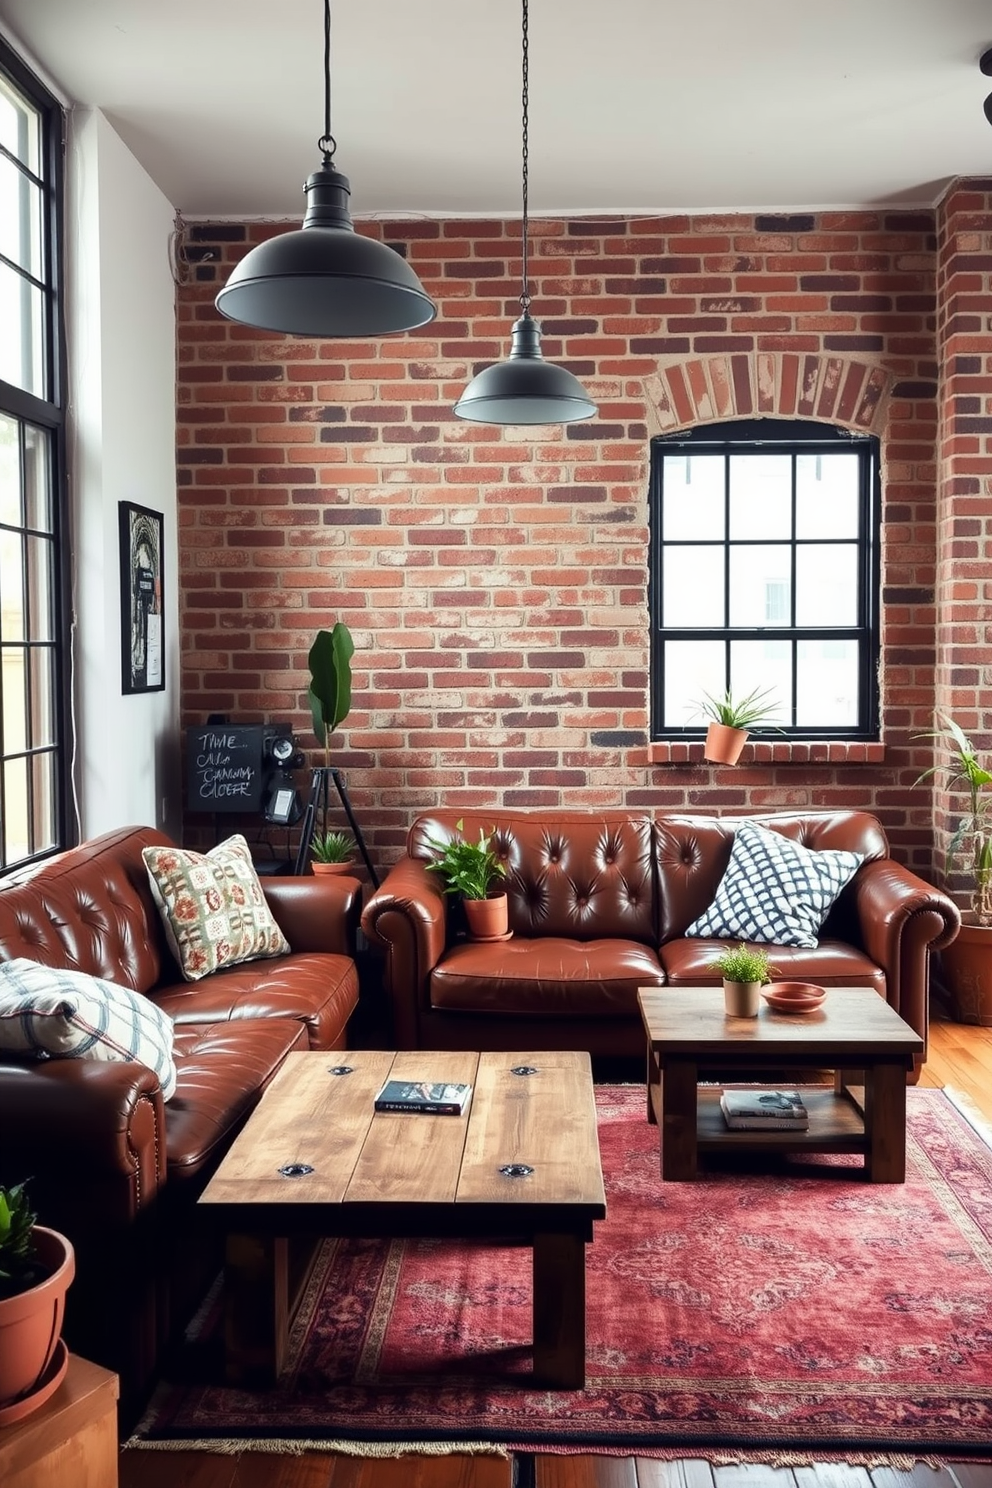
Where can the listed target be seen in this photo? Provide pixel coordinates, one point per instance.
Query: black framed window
(34, 546)
(764, 562)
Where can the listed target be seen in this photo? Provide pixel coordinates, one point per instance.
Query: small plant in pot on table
(36, 1267)
(473, 870)
(745, 971)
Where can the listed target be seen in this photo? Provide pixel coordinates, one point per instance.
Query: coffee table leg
(256, 1309)
(885, 1123)
(678, 1121)
(560, 1311)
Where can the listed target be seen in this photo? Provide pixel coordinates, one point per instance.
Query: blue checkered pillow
(774, 891)
(49, 1013)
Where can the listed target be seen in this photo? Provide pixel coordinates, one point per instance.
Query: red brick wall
(495, 580)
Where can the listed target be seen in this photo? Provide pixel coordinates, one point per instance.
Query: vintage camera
(281, 801)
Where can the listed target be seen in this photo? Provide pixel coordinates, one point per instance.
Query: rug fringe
(233, 1447)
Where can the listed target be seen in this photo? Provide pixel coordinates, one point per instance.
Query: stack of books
(435, 1098)
(764, 1110)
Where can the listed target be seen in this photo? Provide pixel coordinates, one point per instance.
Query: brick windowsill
(789, 752)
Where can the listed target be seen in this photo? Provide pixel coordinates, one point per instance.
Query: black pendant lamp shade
(325, 279)
(525, 389)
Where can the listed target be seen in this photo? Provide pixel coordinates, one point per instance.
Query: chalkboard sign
(224, 767)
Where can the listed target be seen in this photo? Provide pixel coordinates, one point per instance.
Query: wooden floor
(960, 1057)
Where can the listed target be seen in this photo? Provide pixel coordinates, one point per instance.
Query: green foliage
(742, 963)
(468, 868)
(758, 707)
(16, 1220)
(332, 847)
(329, 693)
(972, 838)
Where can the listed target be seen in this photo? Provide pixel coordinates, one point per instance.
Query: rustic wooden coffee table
(315, 1158)
(854, 1033)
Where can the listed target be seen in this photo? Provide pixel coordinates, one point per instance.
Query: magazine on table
(764, 1110)
(432, 1097)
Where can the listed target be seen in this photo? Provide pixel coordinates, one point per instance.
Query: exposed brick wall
(495, 580)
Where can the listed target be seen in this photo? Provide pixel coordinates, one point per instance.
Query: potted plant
(473, 870)
(329, 696)
(332, 852)
(731, 719)
(966, 964)
(36, 1267)
(745, 971)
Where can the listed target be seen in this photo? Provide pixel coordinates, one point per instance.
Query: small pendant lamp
(325, 279)
(525, 389)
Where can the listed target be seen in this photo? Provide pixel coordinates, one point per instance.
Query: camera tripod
(318, 801)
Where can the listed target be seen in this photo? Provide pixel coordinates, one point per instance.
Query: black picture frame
(142, 596)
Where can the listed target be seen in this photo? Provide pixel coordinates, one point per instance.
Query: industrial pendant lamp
(525, 389)
(326, 279)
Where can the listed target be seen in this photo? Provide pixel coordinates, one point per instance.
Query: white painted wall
(122, 422)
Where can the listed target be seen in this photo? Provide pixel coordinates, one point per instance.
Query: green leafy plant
(329, 693)
(972, 838)
(758, 707)
(742, 963)
(332, 847)
(468, 868)
(18, 1268)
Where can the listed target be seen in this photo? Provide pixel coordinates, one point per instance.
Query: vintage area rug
(796, 1311)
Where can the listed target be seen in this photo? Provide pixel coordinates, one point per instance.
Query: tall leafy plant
(329, 693)
(972, 837)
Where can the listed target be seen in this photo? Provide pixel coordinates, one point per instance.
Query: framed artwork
(142, 616)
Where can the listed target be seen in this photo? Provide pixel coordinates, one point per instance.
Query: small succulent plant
(18, 1266)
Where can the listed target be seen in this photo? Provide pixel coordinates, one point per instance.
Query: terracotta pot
(966, 975)
(742, 999)
(487, 918)
(31, 1321)
(345, 867)
(723, 744)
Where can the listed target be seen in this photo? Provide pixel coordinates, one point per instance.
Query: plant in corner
(732, 719)
(36, 1266)
(332, 852)
(745, 970)
(329, 696)
(473, 870)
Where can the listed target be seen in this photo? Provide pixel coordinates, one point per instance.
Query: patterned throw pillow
(49, 1013)
(212, 907)
(775, 891)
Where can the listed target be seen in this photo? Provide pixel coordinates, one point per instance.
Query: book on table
(432, 1097)
(764, 1110)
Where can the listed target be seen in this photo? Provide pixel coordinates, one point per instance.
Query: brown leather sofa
(599, 903)
(112, 1166)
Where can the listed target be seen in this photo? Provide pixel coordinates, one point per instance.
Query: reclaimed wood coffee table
(854, 1032)
(315, 1158)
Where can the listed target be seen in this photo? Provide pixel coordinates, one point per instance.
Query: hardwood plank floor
(959, 1056)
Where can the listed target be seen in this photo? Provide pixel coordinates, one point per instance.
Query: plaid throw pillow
(49, 1013)
(212, 907)
(774, 891)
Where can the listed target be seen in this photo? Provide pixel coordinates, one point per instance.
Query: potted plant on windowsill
(745, 971)
(473, 870)
(36, 1266)
(332, 852)
(731, 720)
(966, 964)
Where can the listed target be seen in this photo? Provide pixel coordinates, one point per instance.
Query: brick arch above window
(687, 391)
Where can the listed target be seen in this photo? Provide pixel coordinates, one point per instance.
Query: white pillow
(774, 891)
(49, 1013)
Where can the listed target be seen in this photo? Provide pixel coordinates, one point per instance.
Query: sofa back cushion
(578, 874)
(693, 853)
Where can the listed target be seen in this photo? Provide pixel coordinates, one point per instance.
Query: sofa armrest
(316, 913)
(902, 919)
(407, 915)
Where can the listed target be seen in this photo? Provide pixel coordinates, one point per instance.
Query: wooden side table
(71, 1439)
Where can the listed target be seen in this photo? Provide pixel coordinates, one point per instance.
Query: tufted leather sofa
(110, 1164)
(599, 903)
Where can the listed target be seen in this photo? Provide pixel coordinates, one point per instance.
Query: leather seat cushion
(545, 977)
(318, 989)
(222, 1071)
(830, 964)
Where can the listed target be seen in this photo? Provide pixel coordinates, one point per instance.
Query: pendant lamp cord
(327, 143)
(525, 287)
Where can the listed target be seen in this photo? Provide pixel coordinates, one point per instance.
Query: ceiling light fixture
(525, 389)
(325, 279)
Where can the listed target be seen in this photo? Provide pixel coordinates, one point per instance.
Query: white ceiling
(636, 105)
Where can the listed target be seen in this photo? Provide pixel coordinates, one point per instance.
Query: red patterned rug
(797, 1310)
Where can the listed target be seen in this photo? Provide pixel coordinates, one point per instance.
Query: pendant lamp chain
(525, 98)
(327, 144)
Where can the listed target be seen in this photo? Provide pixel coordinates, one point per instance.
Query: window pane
(40, 660)
(692, 593)
(43, 806)
(691, 669)
(11, 588)
(37, 478)
(21, 341)
(10, 473)
(15, 708)
(827, 685)
(760, 496)
(693, 500)
(20, 127)
(760, 585)
(41, 620)
(827, 585)
(20, 218)
(765, 664)
(16, 843)
(827, 495)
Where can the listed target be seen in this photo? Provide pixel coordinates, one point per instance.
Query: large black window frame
(35, 577)
(721, 553)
